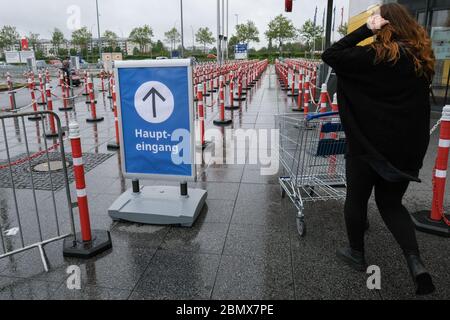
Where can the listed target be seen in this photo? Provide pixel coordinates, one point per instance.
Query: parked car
(162, 58)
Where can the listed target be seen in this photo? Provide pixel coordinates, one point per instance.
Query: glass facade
(434, 15)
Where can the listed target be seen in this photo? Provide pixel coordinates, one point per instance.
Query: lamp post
(100, 45)
(182, 29)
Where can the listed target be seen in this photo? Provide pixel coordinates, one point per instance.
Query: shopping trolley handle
(314, 116)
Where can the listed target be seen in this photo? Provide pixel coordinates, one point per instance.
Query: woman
(383, 91)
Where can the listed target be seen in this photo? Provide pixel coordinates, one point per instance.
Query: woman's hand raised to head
(376, 22)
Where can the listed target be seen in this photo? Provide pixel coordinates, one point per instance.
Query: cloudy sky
(121, 16)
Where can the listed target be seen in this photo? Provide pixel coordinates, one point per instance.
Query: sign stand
(156, 125)
(159, 205)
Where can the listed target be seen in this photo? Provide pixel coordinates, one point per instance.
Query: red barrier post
(323, 98)
(222, 121)
(306, 96)
(51, 118)
(436, 222)
(93, 103)
(116, 144)
(92, 242)
(36, 117)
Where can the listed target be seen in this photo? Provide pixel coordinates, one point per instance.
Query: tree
(173, 37)
(8, 37)
(232, 42)
(110, 38)
(247, 32)
(57, 39)
(343, 29)
(205, 37)
(280, 29)
(81, 37)
(33, 40)
(141, 36)
(159, 47)
(309, 32)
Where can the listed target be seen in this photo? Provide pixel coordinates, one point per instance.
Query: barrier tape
(33, 156)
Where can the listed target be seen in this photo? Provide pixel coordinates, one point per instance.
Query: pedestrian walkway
(245, 244)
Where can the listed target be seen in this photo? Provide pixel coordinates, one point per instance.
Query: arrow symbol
(153, 93)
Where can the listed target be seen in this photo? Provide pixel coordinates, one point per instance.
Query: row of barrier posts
(210, 78)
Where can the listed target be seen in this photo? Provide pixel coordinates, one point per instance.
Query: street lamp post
(182, 30)
(329, 22)
(100, 45)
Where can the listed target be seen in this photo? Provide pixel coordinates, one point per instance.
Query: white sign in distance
(154, 102)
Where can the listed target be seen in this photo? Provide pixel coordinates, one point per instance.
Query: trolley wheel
(301, 226)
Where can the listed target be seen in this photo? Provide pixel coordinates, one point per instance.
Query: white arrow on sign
(154, 102)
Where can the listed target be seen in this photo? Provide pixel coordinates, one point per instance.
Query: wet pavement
(244, 245)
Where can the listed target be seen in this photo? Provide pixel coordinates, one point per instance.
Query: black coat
(384, 108)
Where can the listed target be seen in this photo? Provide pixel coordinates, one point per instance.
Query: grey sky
(121, 16)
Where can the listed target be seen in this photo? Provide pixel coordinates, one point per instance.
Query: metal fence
(32, 218)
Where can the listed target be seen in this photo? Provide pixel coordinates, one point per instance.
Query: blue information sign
(155, 104)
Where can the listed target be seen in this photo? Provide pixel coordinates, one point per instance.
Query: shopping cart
(312, 155)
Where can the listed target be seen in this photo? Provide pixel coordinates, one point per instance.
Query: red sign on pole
(24, 43)
(288, 5)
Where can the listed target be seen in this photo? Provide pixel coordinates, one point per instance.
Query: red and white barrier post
(222, 121)
(436, 222)
(89, 243)
(306, 97)
(42, 89)
(51, 119)
(232, 106)
(323, 98)
(36, 117)
(116, 144)
(93, 103)
(65, 95)
(201, 115)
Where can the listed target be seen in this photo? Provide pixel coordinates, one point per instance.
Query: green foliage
(247, 32)
(81, 37)
(142, 36)
(8, 37)
(173, 37)
(110, 38)
(343, 30)
(33, 40)
(280, 29)
(57, 38)
(309, 32)
(205, 37)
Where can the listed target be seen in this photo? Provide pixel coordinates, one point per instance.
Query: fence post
(435, 222)
(222, 121)
(91, 242)
(116, 144)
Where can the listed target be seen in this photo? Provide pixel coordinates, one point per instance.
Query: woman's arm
(346, 56)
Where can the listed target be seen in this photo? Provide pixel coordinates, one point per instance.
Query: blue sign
(241, 48)
(156, 121)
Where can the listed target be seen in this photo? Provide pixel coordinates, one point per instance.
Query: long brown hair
(404, 33)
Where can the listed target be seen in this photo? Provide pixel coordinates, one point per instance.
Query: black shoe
(421, 277)
(353, 258)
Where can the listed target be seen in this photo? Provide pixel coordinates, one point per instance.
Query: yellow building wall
(445, 73)
(356, 22)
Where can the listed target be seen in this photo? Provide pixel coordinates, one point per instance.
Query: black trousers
(361, 181)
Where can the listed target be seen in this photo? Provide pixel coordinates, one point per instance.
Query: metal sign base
(159, 206)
